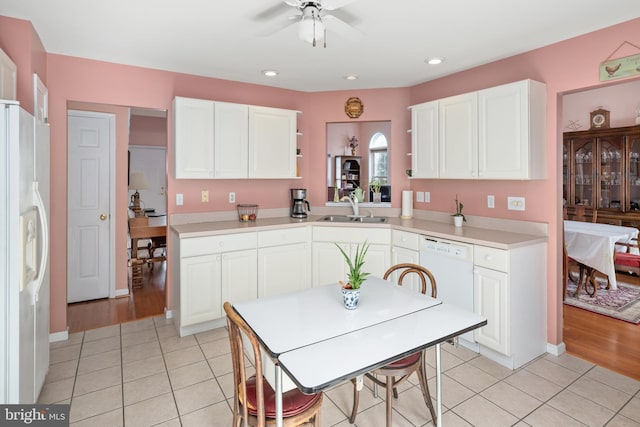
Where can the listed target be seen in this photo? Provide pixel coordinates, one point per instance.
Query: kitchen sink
(351, 218)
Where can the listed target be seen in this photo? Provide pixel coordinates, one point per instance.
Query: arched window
(378, 159)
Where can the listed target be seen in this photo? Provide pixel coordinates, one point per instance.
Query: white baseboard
(121, 292)
(168, 314)
(556, 349)
(59, 336)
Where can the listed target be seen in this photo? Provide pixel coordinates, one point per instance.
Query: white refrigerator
(24, 254)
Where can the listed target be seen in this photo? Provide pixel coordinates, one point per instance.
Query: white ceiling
(223, 38)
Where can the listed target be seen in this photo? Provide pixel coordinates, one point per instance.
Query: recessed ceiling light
(434, 61)
(351, 77)
(270, 73)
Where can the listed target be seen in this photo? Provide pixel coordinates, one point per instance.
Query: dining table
(594, 244)
(318, 343)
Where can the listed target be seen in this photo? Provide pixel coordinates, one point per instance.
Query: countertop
(472, 235)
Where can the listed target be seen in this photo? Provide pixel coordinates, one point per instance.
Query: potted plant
(375, 187)
(458, 217)
(351, 289)
(353, 143)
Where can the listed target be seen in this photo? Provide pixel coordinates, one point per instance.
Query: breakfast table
(318, 343)
(593, 244)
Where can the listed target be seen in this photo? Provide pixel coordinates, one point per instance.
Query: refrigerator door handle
(42, 214)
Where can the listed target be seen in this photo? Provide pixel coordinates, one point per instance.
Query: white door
(89, 200)
(152, 162)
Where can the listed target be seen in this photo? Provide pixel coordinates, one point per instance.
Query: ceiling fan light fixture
(311, 28)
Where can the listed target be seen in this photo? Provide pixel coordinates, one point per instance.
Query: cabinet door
(328, 264)
(378, 259)
(491, 299)
(424, 140)
(401, 255)
(284, 269)
(633, 199)
(458, 132)
(503, 136)
(8, 77)
(231, 151)
(200, 289)
(610, 173)
(193, 138)
(272, 143)
(239, 276)
(584, 172)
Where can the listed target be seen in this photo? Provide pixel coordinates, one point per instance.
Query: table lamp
(137, 181)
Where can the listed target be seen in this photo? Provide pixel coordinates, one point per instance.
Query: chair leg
(389, 400)
(424, 386)
(356, 399)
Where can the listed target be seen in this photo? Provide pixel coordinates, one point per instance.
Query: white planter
(457, 220)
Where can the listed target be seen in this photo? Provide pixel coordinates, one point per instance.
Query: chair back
(237, 327)
(414, 269)
(581, 213)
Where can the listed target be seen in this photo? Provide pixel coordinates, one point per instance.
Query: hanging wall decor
(620, 67)
(353, 107)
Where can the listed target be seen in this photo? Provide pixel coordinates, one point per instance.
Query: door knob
(103, 217)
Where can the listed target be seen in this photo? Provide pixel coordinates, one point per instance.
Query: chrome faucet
(354, 204)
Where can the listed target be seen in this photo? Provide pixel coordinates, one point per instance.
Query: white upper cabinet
(495, 133)
(458, 136)
(231, 146)
(8, 77)
(272, 143)
(511, 132)
(424, 140)
(228, 141)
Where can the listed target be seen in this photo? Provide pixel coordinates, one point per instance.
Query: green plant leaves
(356, 276)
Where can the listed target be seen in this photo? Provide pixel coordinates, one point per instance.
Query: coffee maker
(298, 202)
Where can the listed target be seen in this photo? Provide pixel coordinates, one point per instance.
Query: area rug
(622, 303)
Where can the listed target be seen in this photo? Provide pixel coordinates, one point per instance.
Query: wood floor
(608, 342)
(145, 302)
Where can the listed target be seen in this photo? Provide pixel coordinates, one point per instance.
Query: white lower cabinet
(329, 266)
(405, 250)
(284, 261)
(509, 288)
(206, 272)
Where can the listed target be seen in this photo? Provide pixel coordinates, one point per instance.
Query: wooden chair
(627, 259)
(254, 399)
(406, 366)
(581, 213)
(586, 274)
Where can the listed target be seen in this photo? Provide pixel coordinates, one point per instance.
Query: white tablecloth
(593, 244)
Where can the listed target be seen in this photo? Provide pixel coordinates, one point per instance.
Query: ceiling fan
(313, 21)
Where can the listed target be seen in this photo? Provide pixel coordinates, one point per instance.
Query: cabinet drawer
(352, 235)
(406, 240)
(283, 237)
(216, 244)
(495, 259)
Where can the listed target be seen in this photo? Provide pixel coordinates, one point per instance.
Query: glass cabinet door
(584, 175)
(610, 173)
(565, 173)
(633, 203)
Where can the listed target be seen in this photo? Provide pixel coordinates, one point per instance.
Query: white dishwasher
(451, 263)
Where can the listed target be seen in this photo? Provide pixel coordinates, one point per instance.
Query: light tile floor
(142, 374)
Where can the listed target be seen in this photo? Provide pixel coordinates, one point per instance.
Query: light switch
(419, 196)
(491, 202)
(179, 199)
(427, 197)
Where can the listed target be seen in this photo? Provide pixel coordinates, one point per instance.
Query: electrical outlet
(419, 196)
(179, 199)
(205, 196)
(427, 197)
(491, 202)
(232, 197)
(515, 203)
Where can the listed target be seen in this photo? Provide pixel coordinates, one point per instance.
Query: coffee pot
(299, 204)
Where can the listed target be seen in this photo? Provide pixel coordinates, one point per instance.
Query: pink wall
(150, 131)
(564, 67)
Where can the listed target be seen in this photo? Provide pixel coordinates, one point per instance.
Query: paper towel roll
(407, 204)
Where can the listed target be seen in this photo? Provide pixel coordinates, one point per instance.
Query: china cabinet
(600, 169)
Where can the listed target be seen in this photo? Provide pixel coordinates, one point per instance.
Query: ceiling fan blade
(335, 4)
(279, 26)
(341, 28)
(274, 11)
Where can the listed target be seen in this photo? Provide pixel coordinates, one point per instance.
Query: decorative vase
(377, 197)
(457, 220)
(351, 297)
(353, 151)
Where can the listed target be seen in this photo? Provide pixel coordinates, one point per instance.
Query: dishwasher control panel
(446, 247)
